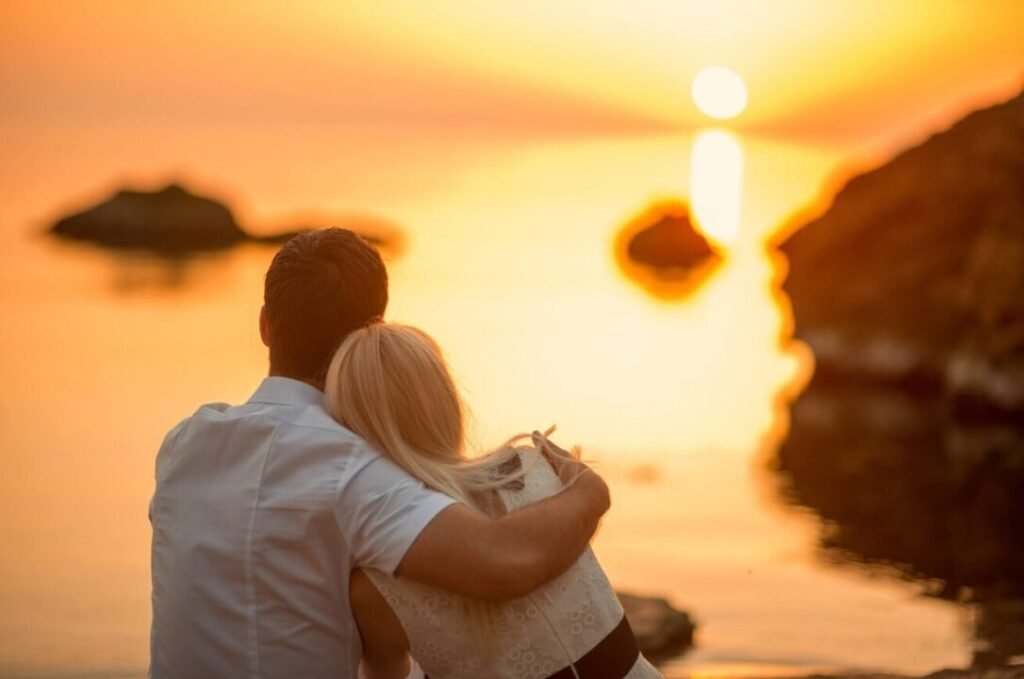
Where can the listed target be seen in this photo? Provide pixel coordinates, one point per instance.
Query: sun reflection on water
(716, 184)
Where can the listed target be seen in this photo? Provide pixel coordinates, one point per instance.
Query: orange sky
(831, 69)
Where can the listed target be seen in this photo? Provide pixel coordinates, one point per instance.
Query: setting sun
(719, 92)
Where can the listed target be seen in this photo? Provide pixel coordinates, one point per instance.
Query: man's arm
(464, 552)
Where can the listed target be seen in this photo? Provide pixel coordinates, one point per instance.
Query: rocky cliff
(915, 274)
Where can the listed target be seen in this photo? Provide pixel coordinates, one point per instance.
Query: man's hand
(567, 465)
(470, 554)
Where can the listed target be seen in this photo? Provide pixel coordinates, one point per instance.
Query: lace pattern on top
(537, 635)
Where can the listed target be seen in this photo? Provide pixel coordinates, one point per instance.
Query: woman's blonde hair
(390, 384)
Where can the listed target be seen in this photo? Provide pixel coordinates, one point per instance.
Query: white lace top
(537, 635)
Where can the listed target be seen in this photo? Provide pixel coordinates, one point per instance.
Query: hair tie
(374, 321)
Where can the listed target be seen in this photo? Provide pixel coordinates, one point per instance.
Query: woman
(390, 385)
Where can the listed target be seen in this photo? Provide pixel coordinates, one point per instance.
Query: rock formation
(168, 220)
(915, 274)
(176, 222)
(668, 240)
(909, 441)
(661, 630)
(663, 251)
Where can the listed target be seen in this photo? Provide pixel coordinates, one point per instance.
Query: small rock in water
(666, 239)
(660, 629)
(662, 251)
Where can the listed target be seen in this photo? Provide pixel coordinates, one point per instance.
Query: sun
(719, 92)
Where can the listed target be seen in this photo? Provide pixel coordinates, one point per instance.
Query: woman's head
(390, 384)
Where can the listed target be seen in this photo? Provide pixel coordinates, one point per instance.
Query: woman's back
(536, 636)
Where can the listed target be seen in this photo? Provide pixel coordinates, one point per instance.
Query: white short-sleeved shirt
(260, 513)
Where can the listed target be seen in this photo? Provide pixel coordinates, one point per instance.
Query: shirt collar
(286, 391)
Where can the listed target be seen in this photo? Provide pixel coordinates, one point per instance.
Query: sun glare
(716, 184)
(719, 92)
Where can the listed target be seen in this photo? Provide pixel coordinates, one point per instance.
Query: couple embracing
(332, 525)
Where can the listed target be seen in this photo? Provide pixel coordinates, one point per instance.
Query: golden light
(719, 92)
(716, 184)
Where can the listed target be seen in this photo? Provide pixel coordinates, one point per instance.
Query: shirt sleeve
(382, 510)
(166, 449)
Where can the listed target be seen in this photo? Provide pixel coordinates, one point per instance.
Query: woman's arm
(385, 646)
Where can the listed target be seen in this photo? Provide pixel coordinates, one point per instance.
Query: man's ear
(264, 326)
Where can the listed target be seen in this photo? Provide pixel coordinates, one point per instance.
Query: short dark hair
(321, 286)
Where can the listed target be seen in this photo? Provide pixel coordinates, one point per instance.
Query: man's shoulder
(315, 417)
(307, 431)
(308, 420)
(293, 422)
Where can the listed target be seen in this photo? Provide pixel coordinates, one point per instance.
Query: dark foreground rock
(909, 441)
(915, 274)
(661, 249)
(661, 630)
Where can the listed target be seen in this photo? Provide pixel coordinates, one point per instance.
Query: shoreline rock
(661, 630)
(908, 443)
(915, 273)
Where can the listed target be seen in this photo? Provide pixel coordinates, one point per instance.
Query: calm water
(509, 263)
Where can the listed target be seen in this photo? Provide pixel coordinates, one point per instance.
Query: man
(262, 510)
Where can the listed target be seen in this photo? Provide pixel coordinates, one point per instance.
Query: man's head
(321, 286)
